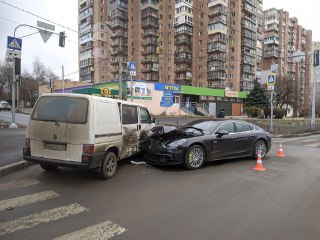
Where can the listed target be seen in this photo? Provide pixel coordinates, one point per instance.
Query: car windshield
(207, 127)
(61, 109)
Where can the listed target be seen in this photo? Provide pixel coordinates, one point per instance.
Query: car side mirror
(222, 133)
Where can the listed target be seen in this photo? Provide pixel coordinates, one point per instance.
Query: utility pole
(62, 78)
(13, 88)
(316, 64)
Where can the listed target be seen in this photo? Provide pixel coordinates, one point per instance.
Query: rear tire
(108, 166)
(195, 157)
(49, 168)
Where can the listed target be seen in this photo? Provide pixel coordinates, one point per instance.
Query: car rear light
(27, 143)
(88, 148)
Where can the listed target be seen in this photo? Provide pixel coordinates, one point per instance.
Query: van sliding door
(130, 129)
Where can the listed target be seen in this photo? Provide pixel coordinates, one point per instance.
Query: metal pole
(18, 83)
(120, 69)
(271, 113)
(131, 89)
(313, 113)
(62, 79)
(13, 97)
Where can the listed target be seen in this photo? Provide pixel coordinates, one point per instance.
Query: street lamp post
(119, 59)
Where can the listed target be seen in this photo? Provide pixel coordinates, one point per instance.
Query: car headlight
(177, 143)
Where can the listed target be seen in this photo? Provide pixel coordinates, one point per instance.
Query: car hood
(163, 135)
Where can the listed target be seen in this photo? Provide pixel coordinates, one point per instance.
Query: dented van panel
(130, 141)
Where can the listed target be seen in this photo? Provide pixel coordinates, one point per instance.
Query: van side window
(129, 114)
(144, 116)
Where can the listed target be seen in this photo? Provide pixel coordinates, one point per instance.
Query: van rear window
(61, 109)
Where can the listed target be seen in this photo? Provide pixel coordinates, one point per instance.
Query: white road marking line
(18, 184)
(105, 230)
(42, 217)
(314, 145)
(27, 199)
(307, 140)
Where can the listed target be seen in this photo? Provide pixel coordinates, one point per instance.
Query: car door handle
(138, 127)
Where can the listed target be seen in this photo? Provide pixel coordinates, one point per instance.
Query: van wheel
(109, 166)
(49, 168)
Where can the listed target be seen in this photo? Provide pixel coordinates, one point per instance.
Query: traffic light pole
(13, 88)
(271, 111)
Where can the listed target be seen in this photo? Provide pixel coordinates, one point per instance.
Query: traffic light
(17, 66)
(316, 58)
(62, 39)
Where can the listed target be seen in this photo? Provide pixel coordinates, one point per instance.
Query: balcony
(149, 33)
(149, 4)
(221, 68)
(212, 76)
(182, 68)
(149, 69)
(217, 40)
(183, 32)
(149, 23)
(217, 12)
(182, 40)
(271, 53)
(148, 52)
(147, 14)
(185, 59)
(122, 16)
(249, 9)
(150, 43)
(116, 24)
(147, 60)
(216, 59)
(248, 44)
(216, 49)
(213, 3)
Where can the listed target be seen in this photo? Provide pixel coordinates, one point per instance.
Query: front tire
(260, 145)
(195, 157)
(49, 168)
(108, 166)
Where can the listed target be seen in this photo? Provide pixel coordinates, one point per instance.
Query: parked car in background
(4, 105)
(204, 140)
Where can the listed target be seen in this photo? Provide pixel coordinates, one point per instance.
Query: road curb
(5, 170)
(295, 135)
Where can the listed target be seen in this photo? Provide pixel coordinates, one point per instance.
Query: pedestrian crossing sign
(271, 81)
(14, 43)
(132, 66)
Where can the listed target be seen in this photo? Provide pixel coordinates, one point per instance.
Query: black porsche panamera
(201, 141)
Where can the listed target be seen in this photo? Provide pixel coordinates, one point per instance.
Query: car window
(228, 126)
(144, 116)
(207, 127)
(129, 114)
(250, 127)
(61, 109)
(242, 127)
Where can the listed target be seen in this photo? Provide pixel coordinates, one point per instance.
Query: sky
(65, 12)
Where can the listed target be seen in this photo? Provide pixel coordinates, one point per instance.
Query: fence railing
(294, 128)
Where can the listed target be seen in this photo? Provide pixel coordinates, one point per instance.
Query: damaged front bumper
(165, 157)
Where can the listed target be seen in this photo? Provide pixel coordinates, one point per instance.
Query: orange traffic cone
(280, 151)
(259, 166)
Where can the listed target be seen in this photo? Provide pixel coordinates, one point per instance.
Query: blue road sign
(14, 43)
(167, 93)
(271, 79)
(132, 66)
(167, 99)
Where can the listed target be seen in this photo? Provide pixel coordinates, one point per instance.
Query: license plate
(56, 147)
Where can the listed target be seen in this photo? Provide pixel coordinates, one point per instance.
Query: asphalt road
(11, 144)
(223, 200)
(20, 118)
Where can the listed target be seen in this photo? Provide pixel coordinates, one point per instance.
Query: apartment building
(204, 43)
(282, 37)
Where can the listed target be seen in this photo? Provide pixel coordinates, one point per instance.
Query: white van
(84, 131)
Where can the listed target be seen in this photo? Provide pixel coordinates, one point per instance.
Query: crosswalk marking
(18, 184)
(42, 217)
(105, 230)
(27, 199)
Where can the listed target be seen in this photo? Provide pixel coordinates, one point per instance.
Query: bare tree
(29, 88)
(5, 80)
(285, 90)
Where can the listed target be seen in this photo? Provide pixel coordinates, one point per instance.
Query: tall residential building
(282, 37)
(205, 43)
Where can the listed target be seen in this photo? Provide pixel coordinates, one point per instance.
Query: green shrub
(252, 111)
(279, 113)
